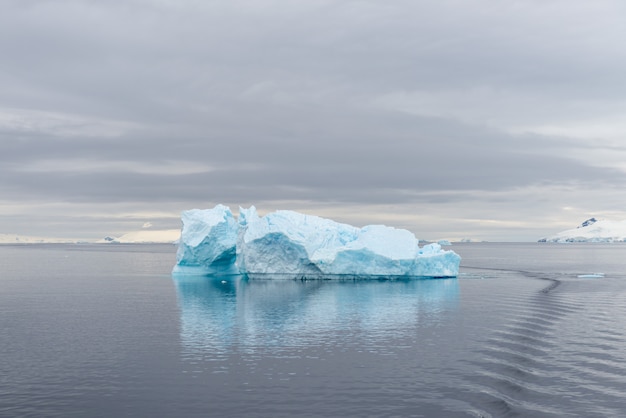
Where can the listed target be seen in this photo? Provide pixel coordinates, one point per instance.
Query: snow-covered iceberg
(296, 245)
(592, 230)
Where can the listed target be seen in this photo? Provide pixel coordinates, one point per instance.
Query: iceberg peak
(291, 243)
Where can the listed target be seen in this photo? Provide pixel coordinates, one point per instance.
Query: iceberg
(292, 244)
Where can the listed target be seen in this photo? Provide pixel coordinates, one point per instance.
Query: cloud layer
(453, 118)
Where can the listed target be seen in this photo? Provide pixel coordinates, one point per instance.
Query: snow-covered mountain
(166, 236)
(592, 230)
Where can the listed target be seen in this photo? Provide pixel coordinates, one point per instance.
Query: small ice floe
(591, 276)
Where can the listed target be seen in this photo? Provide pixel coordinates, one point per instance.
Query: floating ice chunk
(291, 243)
(208, 242)
(591, 276)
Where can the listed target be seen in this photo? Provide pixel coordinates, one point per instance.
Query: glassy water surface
(105, 330)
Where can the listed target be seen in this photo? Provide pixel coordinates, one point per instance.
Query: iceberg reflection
(227, 313)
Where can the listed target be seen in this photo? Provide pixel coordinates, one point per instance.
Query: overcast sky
(483, 119)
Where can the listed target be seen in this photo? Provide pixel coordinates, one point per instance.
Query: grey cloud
(281, 100)
(412, 156)
(137, 52)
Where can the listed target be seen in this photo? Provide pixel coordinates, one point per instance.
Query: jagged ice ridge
(297, 245)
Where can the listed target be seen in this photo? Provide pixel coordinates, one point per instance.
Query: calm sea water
(106, 331)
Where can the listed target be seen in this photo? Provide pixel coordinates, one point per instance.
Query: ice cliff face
(294, 244)
(208, 242)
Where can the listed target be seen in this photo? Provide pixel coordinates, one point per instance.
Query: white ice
(290, 243)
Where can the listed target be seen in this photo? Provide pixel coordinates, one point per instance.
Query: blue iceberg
(292, 244)
(208, 242)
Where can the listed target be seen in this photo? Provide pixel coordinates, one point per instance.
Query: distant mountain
(167, 236)
(25, 239)
(592, 230)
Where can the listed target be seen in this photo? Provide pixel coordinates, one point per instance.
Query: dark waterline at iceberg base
(526, 330)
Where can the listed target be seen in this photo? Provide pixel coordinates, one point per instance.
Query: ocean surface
(529, 330)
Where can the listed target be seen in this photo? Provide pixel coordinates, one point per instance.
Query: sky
(480, 119)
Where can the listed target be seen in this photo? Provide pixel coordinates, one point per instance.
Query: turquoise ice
(294, 244)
